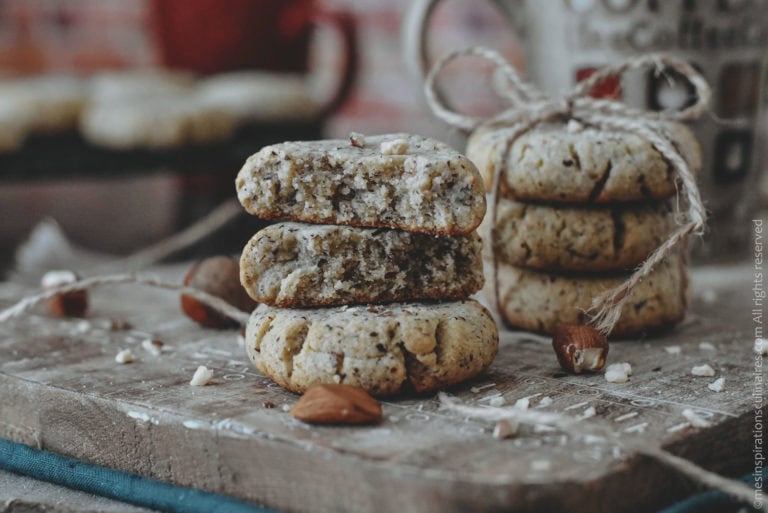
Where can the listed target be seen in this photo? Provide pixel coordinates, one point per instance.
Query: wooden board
(62, 390)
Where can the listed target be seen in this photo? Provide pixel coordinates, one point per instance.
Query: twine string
(530, 107)
(30, 302)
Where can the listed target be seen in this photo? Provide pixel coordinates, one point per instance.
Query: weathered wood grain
(61, 390)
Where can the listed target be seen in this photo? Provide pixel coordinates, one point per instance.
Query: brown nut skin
(218, 276)
(69, 304)
(337, 404)
(580, 348)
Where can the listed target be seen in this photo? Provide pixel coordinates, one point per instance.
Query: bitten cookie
(382, 349)
(539, 301)
(575, 238)
(397, 181)
(302, 265)
(555, 164)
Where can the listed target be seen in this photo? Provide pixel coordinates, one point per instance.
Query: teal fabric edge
(711, 502)
(115, 484)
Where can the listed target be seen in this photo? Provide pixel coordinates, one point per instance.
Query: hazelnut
(67, 304)
(580, 348)
(218, 276)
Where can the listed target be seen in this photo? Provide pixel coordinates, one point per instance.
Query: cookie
(569, 238)
(259, 96)
(397, 181)
(154, 122)
(302, 265)
(554, 164)
(14, 124)
(539, 301)
(382, 349)
(52, 103)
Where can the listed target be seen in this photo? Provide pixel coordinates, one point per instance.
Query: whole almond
(337, 404)
(580, 348)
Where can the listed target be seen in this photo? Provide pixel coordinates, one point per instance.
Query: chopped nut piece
(153, 347)
(67, 304)
(124, 356)
(717, 385)
(703, 370)
(337, 404)
(202, 376)
(505, 428)
(357, 139)
(618, 373)
(268, 404)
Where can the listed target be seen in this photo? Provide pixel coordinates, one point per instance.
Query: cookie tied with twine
(530, 107)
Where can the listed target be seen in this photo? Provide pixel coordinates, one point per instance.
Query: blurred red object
(210, 36)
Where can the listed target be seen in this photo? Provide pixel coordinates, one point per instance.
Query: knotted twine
(529, 107)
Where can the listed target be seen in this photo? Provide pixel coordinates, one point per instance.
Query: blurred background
(126, 120)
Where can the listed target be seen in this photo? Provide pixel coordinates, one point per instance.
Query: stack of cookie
(374, 292)
(578, 210)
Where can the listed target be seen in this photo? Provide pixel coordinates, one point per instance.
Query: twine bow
(529, 107)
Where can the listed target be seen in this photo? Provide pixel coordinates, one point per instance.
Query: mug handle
(415, 39)
(345, 24)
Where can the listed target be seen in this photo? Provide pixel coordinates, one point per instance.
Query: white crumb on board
(202, 376)
(717, 385)
(673, 349)
(618, 372)
(505, 428)
(497, 401)
(544, 402)
(695, 419)
(703, 370)
(286, 407)
(707, 346)
(124, 356)
(523, 403)
(153, 347)
(53, 279)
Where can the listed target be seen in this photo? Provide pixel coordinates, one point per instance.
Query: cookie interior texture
(552, 163)
(579, 239)
(382, 349)
(301, 265)
(396, 181)
(540, 301)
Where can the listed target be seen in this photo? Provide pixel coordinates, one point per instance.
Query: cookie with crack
(303, 265)
(396, 181)
(551, 163)
(382, 349)
(540, 301)
(573, 238)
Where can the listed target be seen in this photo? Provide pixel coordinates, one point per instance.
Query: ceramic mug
(564, 41)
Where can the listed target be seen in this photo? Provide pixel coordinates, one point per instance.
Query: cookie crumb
(286, 407)
(83, 326)
(717, 385)
(394, 147)
(522, 404)
(588, 413)
(124, 356)
(202, 376)
(268, 404)
(673, 349)
(618, 372)
(703, 370)
(706, 346)
(505, 428)
(695, 419)
(357, 139)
